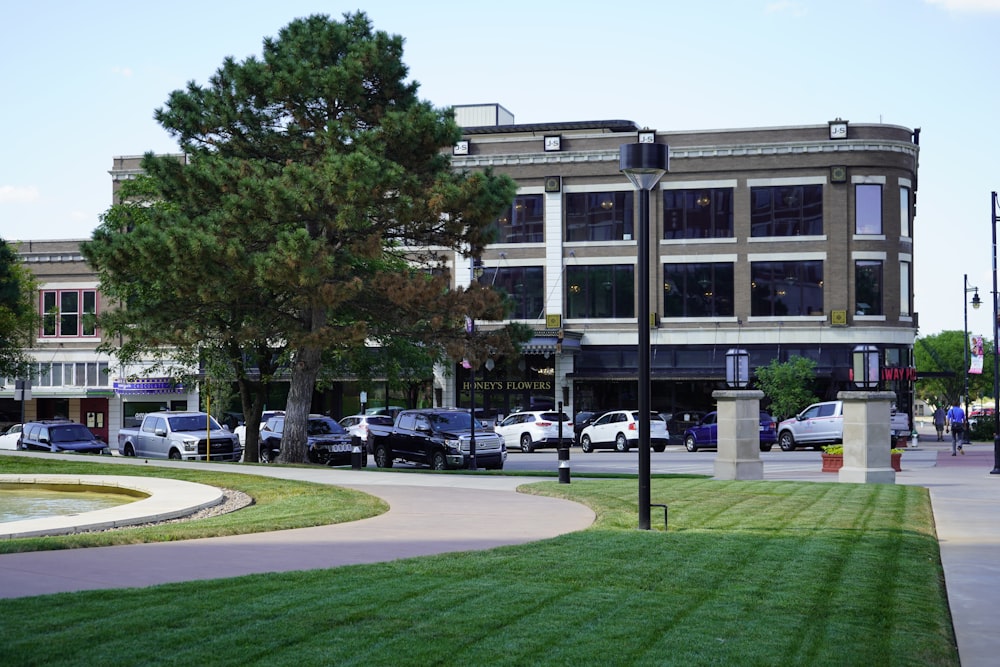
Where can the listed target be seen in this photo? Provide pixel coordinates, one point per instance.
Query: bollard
(563, 450)
(356, 452)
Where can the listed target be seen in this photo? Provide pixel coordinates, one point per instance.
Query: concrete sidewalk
(429, 514)
(964, 497)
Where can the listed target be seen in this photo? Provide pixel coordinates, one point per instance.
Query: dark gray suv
(60, 435)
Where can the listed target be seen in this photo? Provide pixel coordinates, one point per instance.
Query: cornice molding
(691, 152)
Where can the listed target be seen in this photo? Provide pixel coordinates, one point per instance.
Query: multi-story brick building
(782, 241)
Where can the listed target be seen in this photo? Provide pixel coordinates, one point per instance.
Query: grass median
(749, 573)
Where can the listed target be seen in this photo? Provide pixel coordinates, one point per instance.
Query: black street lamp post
(976, 301)
(643, 164)
(996, 352)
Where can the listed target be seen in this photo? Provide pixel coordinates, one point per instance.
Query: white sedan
(9, 439)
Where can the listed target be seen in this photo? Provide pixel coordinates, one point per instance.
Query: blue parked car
(705, 434)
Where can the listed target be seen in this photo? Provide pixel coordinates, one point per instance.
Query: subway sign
(898, 374)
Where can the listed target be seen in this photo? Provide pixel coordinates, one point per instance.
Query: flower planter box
(834, 462)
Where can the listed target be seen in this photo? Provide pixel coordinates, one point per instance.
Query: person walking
(956, 420)
(939, 420)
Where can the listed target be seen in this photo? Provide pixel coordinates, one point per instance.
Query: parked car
(183, 435)
(534, 430)
(438, 437)
(241, 429)
(357, 425)
(327, 441)
(819, 424)
(705, 434)
(679, 421)
(620, 429)
(61, 435)
(390, 410)
(583, 419)
(10, 437)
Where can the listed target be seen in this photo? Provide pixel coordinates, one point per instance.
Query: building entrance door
(94, 415)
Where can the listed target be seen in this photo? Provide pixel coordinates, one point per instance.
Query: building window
(81, 374)
(605, 291)
(867, 209)
(792, 210)
(698, 214)
(780, 289)
(524, 287)
(905, 299)
(868, 287)
(523, 221)
(904, 211)
(69, 313)
(698, 290)
(599, 216)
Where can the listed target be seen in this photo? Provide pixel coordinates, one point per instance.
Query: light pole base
(996, 455)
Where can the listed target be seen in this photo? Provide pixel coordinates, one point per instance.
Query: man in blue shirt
(956, 418)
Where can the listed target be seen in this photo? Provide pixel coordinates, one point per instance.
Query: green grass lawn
(749, 573)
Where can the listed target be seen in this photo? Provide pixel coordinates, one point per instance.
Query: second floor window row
(697, 214)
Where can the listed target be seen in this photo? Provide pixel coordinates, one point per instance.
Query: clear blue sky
(81, 81)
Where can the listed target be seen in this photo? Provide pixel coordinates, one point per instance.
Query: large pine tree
(311, 176)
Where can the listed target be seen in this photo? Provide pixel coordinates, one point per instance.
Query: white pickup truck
(823, 424)
(180, 435)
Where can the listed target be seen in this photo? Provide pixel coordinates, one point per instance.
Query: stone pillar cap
(866, 396)
(739, 393)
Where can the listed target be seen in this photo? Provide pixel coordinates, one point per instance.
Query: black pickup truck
(437, 437)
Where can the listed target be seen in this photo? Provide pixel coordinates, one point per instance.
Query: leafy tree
(941, 367)
(310, 177)
(18, 314)
(788, 385)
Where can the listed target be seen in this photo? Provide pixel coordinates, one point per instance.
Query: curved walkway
(428, 514)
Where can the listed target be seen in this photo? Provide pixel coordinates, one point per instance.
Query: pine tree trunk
(303, 381)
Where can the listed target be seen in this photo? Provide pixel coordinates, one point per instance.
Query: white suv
(531, 430)
(620, 429)
(357, 425)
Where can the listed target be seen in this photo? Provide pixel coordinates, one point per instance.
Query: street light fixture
(643, 164)
(737, 368)
(864, 367)
(976, 302)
